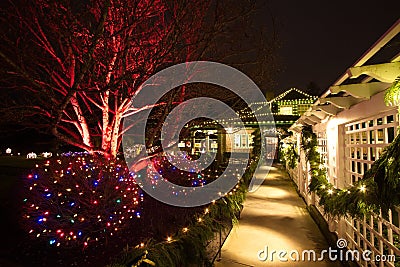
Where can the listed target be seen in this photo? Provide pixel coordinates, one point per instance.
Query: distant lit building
(293, 102)
(280, 112)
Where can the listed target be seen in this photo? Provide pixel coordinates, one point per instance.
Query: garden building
(354, 120)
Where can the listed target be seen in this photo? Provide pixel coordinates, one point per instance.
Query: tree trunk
(115, 137)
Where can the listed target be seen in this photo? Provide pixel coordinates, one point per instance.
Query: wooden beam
(320, 114)
(361, 90)
(308, 121)
(328, 109)
(313, 118)
(381, 42)
(341, 102)
(386, 72)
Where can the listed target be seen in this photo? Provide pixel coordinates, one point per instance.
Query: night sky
(321, 39)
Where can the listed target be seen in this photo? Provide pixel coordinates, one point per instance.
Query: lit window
(242, 140)
(286, 110)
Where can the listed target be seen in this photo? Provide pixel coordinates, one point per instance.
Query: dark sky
(321, 39)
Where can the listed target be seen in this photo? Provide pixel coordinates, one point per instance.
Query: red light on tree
(84, 61)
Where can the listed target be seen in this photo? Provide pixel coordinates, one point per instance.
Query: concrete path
(276, 217)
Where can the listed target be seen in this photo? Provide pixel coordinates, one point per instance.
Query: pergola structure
(371, 74)
(353, 125)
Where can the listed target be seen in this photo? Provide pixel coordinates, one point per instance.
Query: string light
(71, 193)
(79, 181)
(200, 219)
(363, 188)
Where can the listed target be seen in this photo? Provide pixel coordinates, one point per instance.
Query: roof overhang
(362, 90)
(386, 72)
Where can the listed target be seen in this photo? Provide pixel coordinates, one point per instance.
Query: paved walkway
(276, 217)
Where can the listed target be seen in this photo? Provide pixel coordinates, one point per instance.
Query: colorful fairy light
(169, 172)
(79, 189)
(75, 201)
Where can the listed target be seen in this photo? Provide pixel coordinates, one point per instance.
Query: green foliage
(132, 258)
(290, 156)
(309, 145)
(189, 245)
(256, 143)
(392, 95)
(379, 188)
(336, 202)
(385, 174)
